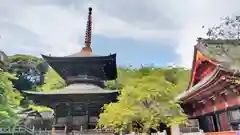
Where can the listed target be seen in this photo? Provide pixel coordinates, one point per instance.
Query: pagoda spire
(86, 50)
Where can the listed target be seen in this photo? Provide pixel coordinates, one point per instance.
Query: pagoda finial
(88, 34)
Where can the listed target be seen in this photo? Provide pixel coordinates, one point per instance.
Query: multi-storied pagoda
(85, 93)
(212, 96)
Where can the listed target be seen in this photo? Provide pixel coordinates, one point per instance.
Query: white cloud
(57, 26)
(201, 13)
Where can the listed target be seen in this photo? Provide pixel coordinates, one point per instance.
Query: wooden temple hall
(85, 94)
(212, 97)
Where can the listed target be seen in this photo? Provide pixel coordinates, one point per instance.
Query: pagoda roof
(74, 89)
(79, 56)
(74, 93)
(99, 67)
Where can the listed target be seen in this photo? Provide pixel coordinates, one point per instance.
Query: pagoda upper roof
(80, 56)
(76, 65)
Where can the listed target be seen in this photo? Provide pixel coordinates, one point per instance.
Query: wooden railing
(26, 129)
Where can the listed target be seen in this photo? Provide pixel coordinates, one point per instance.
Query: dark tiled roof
(74, 89)
(225, 52)
(102, 67)
(78, 55)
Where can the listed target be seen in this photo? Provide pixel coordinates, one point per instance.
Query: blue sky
(134, 52)
(154, 32)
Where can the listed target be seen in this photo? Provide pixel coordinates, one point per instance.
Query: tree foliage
(10, 99)
(28, 69)
(147, 99)
(22, 57)
(229, 28)
(25, 73)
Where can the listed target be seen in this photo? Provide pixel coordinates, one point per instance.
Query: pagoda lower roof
(74, 89)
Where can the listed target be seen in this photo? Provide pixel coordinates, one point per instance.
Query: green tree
(33, 73)
(28, 69)
(25, 58)
(27, 73)
(147, 98)
(10, 100)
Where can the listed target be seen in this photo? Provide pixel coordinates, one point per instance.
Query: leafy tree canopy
(9, 98)
(22, 57)
(26, 69)
(147, 98)
(29, 69)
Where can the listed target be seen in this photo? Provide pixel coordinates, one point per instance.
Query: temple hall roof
(201, 84)
(225, 53)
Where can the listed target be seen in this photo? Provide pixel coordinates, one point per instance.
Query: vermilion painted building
(212, 96)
